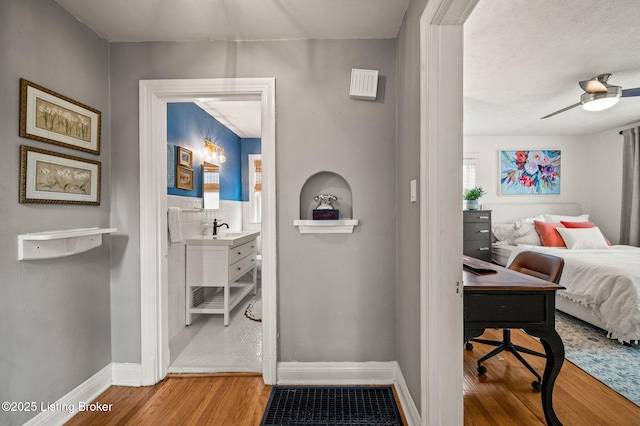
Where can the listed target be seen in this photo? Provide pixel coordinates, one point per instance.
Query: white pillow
(526, 231)
(559, 218)
(583, 238)
(528, 220)
(531, 239)
(504, 232)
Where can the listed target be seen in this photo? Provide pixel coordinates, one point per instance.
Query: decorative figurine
(324, 201)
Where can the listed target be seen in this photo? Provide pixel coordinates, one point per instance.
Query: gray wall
(336, 292)
(408, 168)
(54, 314)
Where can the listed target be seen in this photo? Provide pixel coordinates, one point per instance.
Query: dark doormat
(331, 406)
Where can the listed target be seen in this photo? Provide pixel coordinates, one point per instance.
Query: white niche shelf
(53, 244)
(341, 226)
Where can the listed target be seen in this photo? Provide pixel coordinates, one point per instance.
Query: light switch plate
(413, 197)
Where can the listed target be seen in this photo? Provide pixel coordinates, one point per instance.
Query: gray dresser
(477, 234)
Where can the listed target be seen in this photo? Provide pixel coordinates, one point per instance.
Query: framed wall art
(185, 157)
(53, 178)
(171, 165)
(50, 117)
(530, 172)
(184, 178)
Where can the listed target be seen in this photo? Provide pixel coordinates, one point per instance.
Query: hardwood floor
(501, 397)
(504, 396)
(190, 399)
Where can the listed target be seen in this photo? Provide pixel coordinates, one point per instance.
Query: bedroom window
(469, 164)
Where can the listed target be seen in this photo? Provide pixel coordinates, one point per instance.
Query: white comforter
(607, 280)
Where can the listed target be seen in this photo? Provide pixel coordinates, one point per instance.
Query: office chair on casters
(539, 265)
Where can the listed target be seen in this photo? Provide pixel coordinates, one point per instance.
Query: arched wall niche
(326, 182)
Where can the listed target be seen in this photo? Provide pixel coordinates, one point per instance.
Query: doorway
(221, 136)
(154, 96)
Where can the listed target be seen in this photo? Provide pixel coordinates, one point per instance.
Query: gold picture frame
(185, 157)
(52, 178)
(50, 117)
(184, 178)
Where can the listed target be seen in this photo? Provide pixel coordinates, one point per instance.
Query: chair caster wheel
(482, 370)
(535, 385)
(468, 346)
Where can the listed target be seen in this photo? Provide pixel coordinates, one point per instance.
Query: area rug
(254, 310)
(331, 406)
(607, 360)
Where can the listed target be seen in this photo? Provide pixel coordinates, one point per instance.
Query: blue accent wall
(248, 146)
(187, 126)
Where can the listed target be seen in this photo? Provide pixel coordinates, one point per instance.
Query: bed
(602, 284)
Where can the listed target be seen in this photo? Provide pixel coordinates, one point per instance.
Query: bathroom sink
(228, 235)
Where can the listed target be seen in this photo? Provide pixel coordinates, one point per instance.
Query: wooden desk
(509, 299)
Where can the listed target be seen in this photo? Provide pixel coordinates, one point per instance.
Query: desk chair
(539, 265)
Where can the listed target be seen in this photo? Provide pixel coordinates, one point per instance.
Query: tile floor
(207, 346)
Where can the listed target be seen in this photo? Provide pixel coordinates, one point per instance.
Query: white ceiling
(239, 116)
(523, 58)
(183, 20)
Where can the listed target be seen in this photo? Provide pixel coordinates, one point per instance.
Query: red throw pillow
(578, 224)
(583, 225)
(548, 234)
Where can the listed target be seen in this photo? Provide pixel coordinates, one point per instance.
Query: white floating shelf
(52, 244)
(342, 226)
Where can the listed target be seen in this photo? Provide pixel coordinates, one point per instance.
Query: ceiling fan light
(600, 101)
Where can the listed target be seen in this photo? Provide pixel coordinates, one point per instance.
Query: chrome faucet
(216, 226)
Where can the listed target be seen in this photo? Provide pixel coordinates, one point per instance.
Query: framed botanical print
(184, 178)
(50, 117)
(185, 157)
(53, 178)
(530, 172)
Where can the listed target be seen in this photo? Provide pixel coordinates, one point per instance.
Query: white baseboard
(126, 374)
(408, 405)
(62, 410)
(336, 373)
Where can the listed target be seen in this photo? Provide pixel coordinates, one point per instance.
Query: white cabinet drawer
(241, 267)
(206, 266)
(241, 251)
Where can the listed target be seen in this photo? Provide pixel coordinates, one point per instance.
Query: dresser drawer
(478, 249)
(473, 231)
(241, 267)
(241, 251)
(482, 216)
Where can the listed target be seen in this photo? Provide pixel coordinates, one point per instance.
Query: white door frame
(441, 321)
(154, 95)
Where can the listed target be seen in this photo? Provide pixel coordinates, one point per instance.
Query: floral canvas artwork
(53, 177)
(62, 121)
(50, 117)
(530, 172)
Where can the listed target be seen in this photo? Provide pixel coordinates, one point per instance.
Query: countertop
(223, 239)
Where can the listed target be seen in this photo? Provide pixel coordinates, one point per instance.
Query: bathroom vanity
(223, 262)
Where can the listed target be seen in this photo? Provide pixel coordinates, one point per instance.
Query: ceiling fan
(599, 95)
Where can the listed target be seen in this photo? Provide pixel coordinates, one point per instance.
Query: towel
(175, 226)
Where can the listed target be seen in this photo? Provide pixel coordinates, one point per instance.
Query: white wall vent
(364, 84)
